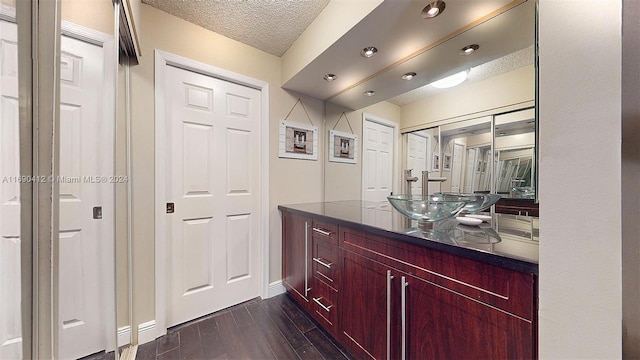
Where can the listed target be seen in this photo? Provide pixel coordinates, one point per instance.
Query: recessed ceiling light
(469, 49)
(369, 51)
(434, 9)
(409, 76)
(330, 77)
(502, 134)
(451, 81)
(370, 93)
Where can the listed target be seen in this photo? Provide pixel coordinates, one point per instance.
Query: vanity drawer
(325, 262)
(325, 231)
(323, 305)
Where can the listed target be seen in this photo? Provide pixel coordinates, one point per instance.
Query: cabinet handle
(325, 307)
(403, 298)
(325, 233)
(306, 259)
(319, 261)
(389, 278)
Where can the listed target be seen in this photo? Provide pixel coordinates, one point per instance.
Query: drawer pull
(325, 307)
(320, 231)
(319, 261)
(324, 276)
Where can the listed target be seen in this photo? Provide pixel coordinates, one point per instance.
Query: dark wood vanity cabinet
(388, 299)
(296, 257)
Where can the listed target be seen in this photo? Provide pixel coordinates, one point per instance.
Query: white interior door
(86, 151)
(213, 168)
(377, 161)
(417, 159)
(456, 167)
(470, 178)
(10, 289)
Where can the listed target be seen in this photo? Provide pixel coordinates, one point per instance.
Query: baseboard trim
(146, 332)
(275, 288)
(124, 335)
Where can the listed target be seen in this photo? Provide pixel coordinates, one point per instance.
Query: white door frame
(105, 41)
(162, 60)
(395, 126)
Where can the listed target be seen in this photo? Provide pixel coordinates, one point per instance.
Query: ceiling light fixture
(451, 81)
(469, 49)
(434, 9)
(409, 76)
(330, 77)
(370, 93)
(369, 51)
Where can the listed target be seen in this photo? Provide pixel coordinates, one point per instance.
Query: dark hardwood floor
(274, 328)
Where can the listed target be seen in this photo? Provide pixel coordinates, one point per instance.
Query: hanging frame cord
(303, 108)
(340, 118)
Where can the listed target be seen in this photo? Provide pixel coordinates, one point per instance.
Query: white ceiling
(268, 25)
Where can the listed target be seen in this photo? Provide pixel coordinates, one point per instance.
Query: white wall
(580, 231)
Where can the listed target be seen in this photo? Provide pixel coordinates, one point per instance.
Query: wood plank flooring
(274, 328)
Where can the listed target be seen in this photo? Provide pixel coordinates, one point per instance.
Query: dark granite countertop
(509, 241)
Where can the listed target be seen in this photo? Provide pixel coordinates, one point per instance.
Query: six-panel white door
(85, 150)
(10, 287)
(213, 169)
(377, 161)
(456, 167)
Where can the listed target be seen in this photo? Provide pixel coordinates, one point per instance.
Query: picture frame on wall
(446, 164)
(435, 164)
(298, 141)
(343, 147)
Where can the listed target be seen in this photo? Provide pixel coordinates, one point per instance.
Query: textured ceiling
(269, 25)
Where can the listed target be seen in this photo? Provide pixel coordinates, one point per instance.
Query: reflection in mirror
(11, 276)
(423, 154)
(465, 146)
(514, 154)
(88, 160)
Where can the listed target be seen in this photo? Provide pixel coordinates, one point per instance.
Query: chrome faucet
(426, 180)
(409, 179)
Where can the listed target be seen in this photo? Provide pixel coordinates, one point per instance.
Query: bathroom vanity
(383, 289)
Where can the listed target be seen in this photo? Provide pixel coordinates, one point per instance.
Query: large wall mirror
(478, 136)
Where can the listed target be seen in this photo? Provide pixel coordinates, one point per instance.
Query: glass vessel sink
(474, 202)
(426, 208)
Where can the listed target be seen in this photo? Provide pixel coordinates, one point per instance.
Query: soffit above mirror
(406, 42)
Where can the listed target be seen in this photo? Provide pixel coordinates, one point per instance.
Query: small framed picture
(343, 147)
(446, 165)
(298, 141)
(435, 165)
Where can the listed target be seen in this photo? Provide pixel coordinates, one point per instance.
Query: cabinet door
(367, 307)
(296, 256)
(442, 324)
